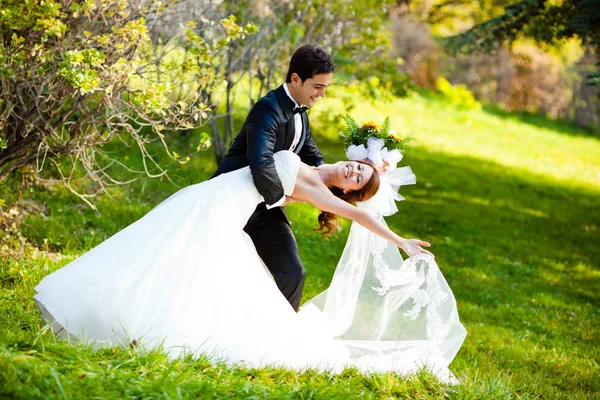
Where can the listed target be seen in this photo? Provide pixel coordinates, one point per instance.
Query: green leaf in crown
(355, 134)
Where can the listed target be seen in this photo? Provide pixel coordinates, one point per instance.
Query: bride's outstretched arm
(322, 198)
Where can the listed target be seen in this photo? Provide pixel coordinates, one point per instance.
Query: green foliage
(544, 21)
(458, 95)
(450, 17)
(79, 69)
(354, 32)
(361, 34)
(593, 80)
(487, 35)
(74, 75)
(386, 127)
(204, 142)
(351, 126)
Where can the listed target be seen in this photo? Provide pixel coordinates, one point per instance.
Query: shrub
(458, 94)
(77, 74)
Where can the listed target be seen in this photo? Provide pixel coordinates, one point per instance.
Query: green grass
(510, 203)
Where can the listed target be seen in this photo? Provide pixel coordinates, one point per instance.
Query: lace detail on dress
(382, 269)
(429, 297)
(388, 277)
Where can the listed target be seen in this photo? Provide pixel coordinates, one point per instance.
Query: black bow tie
(300, 109)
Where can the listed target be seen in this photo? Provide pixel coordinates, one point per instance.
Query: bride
(187, 278)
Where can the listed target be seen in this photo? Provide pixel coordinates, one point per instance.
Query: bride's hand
(412, 247)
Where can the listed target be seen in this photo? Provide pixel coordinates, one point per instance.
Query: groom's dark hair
(309, 61)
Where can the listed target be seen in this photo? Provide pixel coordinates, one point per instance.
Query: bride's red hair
(329, 221)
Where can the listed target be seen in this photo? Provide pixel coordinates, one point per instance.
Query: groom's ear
(346, 191)
(296, 80)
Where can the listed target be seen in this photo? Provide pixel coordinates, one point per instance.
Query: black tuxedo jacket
(269, 128)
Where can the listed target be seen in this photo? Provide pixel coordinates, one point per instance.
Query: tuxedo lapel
(290, 132)
(287, 108)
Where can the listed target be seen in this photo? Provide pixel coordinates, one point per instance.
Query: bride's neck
(327, 174)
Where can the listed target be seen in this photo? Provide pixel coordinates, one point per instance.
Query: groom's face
(308, 92)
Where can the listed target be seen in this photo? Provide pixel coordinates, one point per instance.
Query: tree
(449, 17)
(544, 21)
(354, 31)
(75, 75)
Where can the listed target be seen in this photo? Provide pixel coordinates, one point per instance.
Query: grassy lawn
(510, 203)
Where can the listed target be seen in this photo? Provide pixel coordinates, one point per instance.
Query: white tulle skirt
(187, 278)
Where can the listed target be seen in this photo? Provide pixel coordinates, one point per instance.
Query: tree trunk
(218, 145)
(585, 99)
(503, 76)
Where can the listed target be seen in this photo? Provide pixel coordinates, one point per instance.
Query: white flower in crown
(355, 152)
(376, 152)
(391, 158)
(374, 147)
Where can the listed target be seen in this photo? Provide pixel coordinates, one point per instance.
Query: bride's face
(352, 175)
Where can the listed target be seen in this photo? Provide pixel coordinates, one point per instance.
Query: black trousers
(275, 243)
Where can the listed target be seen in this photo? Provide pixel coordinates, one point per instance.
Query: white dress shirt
(297, 120)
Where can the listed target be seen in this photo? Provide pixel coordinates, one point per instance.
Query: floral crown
(378, 143)
(381, 145)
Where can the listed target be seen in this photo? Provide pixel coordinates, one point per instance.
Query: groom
(277, 122)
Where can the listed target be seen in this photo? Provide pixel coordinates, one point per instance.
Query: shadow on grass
(518, 251)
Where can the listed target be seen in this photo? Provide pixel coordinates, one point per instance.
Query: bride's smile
(346, 175)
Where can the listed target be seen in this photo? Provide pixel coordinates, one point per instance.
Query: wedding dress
(186, 277)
